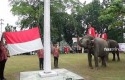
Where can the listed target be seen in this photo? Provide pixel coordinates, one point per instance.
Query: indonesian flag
(23, 41)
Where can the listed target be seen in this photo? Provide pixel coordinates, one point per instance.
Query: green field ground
(76, 63)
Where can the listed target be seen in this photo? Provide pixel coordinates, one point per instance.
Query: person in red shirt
(96, 34)
(99, 35)
(3, 58)
(40, 54)
(55, 53)
(104, 36)
(65, 49)
(91, 31)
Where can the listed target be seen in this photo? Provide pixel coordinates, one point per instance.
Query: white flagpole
(47, 46)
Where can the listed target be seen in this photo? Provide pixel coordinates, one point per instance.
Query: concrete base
(51, 74)
(56, 74)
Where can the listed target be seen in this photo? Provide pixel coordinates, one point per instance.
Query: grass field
(76, 63)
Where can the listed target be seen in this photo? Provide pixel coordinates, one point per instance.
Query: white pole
(47, 47)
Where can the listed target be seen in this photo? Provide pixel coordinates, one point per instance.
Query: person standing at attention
(55, 53)
(3, 58)
(40, 54)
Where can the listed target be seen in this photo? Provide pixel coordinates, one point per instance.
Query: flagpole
(47, 47)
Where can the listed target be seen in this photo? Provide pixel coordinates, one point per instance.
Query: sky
(7, 16)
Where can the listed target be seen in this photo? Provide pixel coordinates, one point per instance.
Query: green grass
(76, 63)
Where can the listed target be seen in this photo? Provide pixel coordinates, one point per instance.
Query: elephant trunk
(78, 41)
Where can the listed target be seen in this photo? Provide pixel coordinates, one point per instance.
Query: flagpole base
(48, 74)
(55, 74)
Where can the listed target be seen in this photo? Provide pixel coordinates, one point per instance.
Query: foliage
(106, 15)
(28, 11)
(112, 17)
(31, 13)
(113, 14)
(90, 14)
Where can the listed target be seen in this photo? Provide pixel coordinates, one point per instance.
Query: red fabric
(96, 35)
(65, 49)
(104, 36)
(22, 36)
(56, 52)
(40, 53)
(91, 31)
(99, 35)
(3, 53)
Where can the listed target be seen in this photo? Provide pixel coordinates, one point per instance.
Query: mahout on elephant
(114, 49)
(95, 47)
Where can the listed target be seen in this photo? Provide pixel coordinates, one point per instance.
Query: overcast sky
(7, 16)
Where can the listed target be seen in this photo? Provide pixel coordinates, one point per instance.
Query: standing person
(104, 36)
(40, 54)
(99, 35)
(68, 49)
(3, 59)
(55, 53)
(65, 49)
(91, 31)
(96, 34)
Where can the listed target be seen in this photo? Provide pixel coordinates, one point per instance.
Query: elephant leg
(107, 57)
(117, 53)
(103, 61)
(99, 60)
(96, 61)
(113, 56)
(90, 60)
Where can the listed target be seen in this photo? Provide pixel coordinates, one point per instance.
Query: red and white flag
(23, 41)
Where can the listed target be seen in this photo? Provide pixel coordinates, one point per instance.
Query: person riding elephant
(91, 31)
(95, 47)
(114, 48)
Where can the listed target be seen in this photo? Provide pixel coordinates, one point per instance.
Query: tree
(89, 13)
(31, 13)
(112, 16)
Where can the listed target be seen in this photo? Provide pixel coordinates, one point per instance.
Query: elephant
(95, 47)
(114, 46)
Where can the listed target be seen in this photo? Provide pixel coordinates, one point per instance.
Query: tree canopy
(69, 17)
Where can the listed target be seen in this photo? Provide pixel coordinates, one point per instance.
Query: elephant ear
(88, 42)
